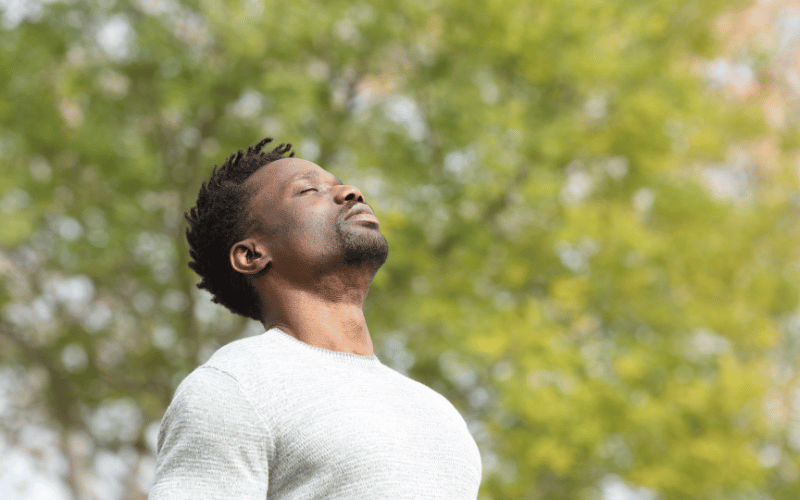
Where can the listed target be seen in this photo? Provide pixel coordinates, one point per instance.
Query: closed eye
(307, 190)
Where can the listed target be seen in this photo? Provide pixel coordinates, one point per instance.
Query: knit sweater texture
(271, 417)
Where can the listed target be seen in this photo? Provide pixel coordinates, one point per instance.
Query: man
(305, 410)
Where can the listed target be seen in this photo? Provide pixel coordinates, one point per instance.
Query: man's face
(312, 222)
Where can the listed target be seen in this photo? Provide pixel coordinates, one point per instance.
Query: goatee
(365, 247)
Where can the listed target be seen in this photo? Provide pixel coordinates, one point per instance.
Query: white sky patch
(578, 187)
(617, 167)
(17, 199)
(115, 37)
(405, 112)
(769, 456)
(318, 70)
(596, 106)
(576, 257)
(143, 301)
(373, 186)
(71, 112)
(704, 342)
(157, 7)
(74, 358)
(164, 337)
(20, 479)
(16, 11)
(461, 163)
(120, 419)
(75, 292)
(789, 30)
(110, 470)
(205, 311)
(723, 73)
(147, 473)
(490, 92)
(174, 301)
(310, 149)
(571, 257)
(725, 183)
(249, 105)
(69, 228)
(614, 488)
(347, 31)
(643, 199)
(775, 409)
(98, 317)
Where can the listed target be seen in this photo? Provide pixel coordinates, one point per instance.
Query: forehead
(278, 175)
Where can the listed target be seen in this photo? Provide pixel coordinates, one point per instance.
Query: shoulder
(212, 442)
(240, 356)
(206, 404)
(205, 380)
(222, 386)
(205, 394)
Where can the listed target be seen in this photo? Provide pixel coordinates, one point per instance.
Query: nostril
(350, 193)
(353, 195)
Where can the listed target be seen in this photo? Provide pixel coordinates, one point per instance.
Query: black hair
(219, 220)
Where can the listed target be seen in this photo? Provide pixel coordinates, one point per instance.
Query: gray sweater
(271, 417)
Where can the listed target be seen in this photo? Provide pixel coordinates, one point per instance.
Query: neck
(320, 317)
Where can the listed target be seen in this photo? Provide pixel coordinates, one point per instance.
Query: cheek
(310, 234)
(307, 226)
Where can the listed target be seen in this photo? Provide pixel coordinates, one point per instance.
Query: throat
(334, 325)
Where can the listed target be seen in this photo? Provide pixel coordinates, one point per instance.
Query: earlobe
(249, 257)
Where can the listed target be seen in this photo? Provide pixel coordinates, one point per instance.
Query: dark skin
(323, 246)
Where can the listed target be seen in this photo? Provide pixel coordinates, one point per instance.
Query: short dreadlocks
(219, 220)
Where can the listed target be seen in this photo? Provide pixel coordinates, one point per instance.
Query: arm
(212, 443)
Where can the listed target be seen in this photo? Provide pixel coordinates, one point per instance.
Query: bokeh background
(592, 208)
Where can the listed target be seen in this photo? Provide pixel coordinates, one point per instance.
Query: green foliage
(556, 267)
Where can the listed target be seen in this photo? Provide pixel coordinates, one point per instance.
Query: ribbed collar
(340, 357)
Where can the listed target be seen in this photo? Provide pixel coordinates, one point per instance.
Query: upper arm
(212, 442)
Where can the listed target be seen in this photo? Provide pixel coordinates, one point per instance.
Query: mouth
(362, 213)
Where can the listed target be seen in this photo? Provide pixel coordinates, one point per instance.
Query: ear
(250, 256)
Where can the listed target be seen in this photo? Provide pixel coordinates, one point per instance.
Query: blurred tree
(578, 261)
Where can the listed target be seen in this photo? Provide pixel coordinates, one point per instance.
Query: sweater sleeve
(212, 444)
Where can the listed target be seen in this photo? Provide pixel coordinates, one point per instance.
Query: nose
(348, 193)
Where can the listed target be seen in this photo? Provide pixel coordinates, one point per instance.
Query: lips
(362, 213)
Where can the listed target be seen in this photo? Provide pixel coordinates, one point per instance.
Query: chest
(398, 431)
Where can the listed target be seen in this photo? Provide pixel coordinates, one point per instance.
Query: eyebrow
(308, 175)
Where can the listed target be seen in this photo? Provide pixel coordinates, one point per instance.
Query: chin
(365, 249)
